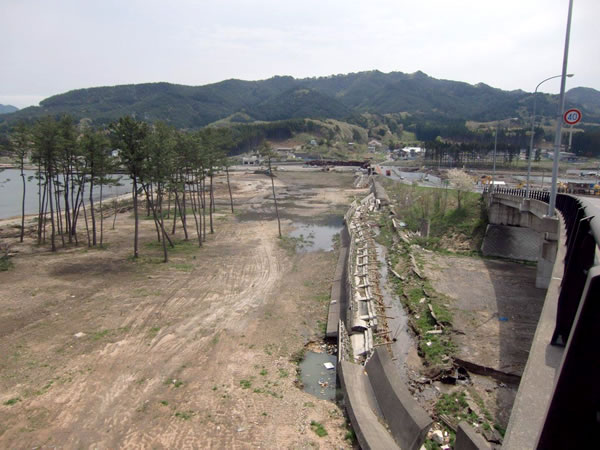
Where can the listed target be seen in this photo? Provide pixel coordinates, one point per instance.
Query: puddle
(315, 237)
(318, 380)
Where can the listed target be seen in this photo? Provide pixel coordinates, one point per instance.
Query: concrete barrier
(408, 422)
(362, 409)
(337, 301)
(468, 439)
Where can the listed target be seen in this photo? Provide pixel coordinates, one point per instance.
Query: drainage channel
(397, 318)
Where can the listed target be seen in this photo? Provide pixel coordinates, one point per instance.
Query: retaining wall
(383, 413)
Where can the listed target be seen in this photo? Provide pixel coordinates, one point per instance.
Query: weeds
(12, 401)
(5, 263)
(185, 415)
(318, 428)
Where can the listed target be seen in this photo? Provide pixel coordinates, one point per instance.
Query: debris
(434, 332)
(423, 299)
(503, 319)
(329, 366)
(428, 343)
(79, 335)
(450, 423)
(438, 436)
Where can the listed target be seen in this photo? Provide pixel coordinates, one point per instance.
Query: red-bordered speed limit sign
(572, 116)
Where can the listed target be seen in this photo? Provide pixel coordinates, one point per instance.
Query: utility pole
(559, 117)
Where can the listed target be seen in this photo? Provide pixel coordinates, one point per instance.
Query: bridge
(558, 402)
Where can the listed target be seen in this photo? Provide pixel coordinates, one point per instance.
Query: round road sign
(572, 116)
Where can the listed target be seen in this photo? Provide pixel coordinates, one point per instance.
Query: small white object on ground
(438, 436)
(329, 366)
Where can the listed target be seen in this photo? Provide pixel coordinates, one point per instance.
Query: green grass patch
(153, 332)
(184, 267)
(318, 428)
(12, 401)
(245, 384)
(185, 415)
(5, 264)
(180, 246)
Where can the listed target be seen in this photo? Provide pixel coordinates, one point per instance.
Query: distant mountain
(587, 99)
(284, 97)
(5, 109)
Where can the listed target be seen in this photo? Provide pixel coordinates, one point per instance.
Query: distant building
(313, 143)
(115, 153)
(253, 160)
(374, 143)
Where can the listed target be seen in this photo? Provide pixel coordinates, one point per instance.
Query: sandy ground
(99, 351)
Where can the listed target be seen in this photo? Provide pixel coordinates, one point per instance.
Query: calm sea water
(11, 192)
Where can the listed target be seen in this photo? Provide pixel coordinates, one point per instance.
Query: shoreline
(8, 220)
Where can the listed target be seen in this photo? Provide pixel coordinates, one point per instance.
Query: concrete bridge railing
(558, 403)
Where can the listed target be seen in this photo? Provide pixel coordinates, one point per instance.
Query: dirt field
(99, 351)
(495, 307)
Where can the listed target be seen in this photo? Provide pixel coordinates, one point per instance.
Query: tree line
(171, 170)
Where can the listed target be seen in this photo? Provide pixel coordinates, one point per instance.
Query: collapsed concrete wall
(383, 413)
(379, 192)
(339, 289)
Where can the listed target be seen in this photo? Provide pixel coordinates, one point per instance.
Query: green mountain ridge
(284, 97)
(7, 109)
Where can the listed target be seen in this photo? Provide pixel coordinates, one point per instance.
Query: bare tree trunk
(229, 187)
(162, 225)
(204, 206)
(212, 205)
(92, 214)
(169, 205)
(67, 205)
(115, 217)
(183, 211)
(156, 218)
(59, 212)
(135, 215)
(87, 228)
(195, 202)
(150, 196)
(22, 204)
(175, 208)
(274, 197)
(53, 229)
(40, 205)
(101, 218)
(45, 211)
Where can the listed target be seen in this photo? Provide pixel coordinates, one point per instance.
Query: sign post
(572, 116)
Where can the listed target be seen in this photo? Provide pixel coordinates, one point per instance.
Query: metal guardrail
(574, 411)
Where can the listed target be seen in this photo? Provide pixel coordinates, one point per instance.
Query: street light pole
(533, 129)
(559, 118)
(495, 146)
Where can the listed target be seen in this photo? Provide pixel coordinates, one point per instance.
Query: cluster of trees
(588, 142)
(445, 153)
(167, 167)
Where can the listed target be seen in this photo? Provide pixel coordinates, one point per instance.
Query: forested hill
(5, 109)
(339, 96)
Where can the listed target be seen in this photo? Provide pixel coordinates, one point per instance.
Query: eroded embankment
(380, 407)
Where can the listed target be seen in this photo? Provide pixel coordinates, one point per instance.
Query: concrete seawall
(383, 413)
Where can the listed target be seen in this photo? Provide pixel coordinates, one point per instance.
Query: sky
(49, 47)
